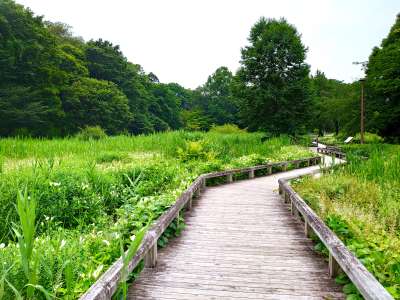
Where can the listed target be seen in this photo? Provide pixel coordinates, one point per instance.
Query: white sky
(184, 41)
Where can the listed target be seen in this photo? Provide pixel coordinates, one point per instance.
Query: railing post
(334, 268)
(197, 192)
(285, 167)
(229, 178)
(150, 260)
(204, 183)
(189, 203)
(251, 174)
(307, 229)
(308, 162)
(293, 208)
(269, 170)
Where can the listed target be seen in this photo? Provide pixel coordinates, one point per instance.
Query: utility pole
(362, 107)
(362, 80)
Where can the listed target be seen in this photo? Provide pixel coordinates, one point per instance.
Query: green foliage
(91, 133)
(360, 203)
(273, 82)
(383, 85)
(227, 129)
(54, 83)
(91, 102)
(26, 207)
(215, 100)
(369, 138)
(335, 105)
(126, 258)
(92, 195)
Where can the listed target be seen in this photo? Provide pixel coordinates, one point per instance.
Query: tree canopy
(273, 80)
(383, 81)
(53, 83)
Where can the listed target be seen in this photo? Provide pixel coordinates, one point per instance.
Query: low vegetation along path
(240, 242)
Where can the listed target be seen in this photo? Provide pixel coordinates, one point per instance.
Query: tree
(32, 72)
(216, 98)
(91, 102)
(273, 80)
(334, 104)
(146, 102)
(383, 85)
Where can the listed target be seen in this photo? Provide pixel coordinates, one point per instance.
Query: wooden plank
(106, 285)
(240, 242)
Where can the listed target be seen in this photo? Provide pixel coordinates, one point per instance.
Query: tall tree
(273, 79)
(334, 104)
(383, 82)
(90, 102)
(30, 73)
(217, 101)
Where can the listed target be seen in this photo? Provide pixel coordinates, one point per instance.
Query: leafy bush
(369, 138)
(194, 150)
(91, 133)
(227, 129)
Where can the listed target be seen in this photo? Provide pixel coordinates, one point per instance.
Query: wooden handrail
(107, 284)
(340, 257)
(332, 152)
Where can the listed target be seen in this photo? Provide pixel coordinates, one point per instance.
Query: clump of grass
(109, 157)
(91, 133)
(227, 129)
(26, 207)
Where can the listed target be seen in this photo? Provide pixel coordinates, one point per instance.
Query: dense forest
(53, 83)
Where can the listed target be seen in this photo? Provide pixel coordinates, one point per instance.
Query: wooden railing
(107, 284)
(340, 258)
(332, 151)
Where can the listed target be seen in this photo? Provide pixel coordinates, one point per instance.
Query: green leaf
(15, 291)
(350, 288)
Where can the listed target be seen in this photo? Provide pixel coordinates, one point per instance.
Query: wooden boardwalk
(240, 242)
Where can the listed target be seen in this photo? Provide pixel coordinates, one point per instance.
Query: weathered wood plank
(239, 243)
(106, 285)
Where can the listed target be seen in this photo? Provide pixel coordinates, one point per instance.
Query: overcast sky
(184, 41)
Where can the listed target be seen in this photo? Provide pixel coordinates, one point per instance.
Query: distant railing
(332, 151)
(107, 284)
(340, 258)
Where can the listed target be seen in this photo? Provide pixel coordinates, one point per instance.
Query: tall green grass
(364, 197)
(90, 197)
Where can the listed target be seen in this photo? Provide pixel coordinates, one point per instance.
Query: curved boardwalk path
(240, 242)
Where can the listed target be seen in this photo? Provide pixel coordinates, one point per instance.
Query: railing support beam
(229, 178)
(251, 174)
(334, 268)
(150, 260)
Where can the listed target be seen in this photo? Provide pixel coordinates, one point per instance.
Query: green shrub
(109, 157)
(369, 138)
(227, 129)
(91, 133)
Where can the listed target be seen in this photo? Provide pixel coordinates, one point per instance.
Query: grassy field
(91, 195)
(361, 203)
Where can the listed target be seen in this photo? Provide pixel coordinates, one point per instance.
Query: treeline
(53, 84)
